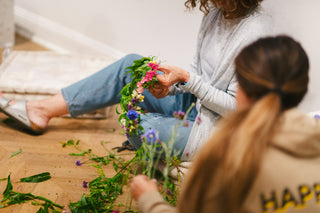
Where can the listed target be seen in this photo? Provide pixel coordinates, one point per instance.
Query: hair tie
(277, 90)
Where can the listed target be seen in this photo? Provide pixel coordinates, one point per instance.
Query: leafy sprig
(11, 197)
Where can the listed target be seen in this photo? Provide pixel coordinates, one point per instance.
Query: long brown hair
(231, 8)
(273, 73)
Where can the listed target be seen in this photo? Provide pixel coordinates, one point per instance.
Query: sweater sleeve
(212, 98)
(152, 202)
(223, 101)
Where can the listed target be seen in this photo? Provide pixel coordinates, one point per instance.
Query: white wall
(300, 19)
(149, 27)
(155, 27)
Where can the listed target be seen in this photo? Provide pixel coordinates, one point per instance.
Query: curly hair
(232, 9)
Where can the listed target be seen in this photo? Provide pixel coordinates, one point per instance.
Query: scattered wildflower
(198, 120)
(150, 136)
(114, 211)
(169, 192)
(179, 115)
(317, 116)
(84, 184)
(132, 115)
(78, 163)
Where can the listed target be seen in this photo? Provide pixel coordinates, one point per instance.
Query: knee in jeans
(132, 57)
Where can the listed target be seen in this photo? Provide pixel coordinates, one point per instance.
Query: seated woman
(264, 157)
(227, 26)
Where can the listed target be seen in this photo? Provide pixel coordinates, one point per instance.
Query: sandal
(125, 146)
(18, 112)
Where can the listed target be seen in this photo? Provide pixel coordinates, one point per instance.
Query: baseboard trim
(57, 37)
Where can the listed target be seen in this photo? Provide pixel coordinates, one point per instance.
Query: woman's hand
(141, 184)
(171, 76)
(159, 91)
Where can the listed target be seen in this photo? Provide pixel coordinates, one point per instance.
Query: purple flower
(78, 163)
(129, 107)
(84, 184)
(179, 115)
(134, 101)
(317, 116)
(114, 211)
(132, 115)
(151, 136)
(169, 192)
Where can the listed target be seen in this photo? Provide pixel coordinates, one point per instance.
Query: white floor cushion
(31, 75)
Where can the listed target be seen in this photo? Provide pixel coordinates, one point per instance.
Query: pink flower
(198, 120)
(144, 80)
(140, 90)
(153, 65)
(139, 84)
(150, 74)
(179, 115)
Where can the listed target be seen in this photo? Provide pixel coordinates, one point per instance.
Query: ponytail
(227, 165)
(273, 74)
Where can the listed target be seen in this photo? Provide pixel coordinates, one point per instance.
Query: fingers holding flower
(142, 184)
(172, 75)
(159, 92)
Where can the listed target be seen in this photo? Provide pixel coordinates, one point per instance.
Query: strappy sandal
(18, 112)
(125, 146)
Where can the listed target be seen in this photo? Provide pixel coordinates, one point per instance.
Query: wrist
(185, 78)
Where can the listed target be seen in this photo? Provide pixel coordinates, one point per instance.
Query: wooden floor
(45, 153)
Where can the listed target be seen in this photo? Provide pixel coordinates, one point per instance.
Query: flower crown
(143, 74)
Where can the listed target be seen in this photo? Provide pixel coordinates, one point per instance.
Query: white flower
(123, 122)
(134, 93)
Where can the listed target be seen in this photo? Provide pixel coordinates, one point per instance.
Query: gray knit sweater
(212, 78)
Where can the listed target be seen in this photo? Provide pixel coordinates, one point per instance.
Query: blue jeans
(102, 89)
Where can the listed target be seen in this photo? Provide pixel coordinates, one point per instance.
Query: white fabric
(34, 75)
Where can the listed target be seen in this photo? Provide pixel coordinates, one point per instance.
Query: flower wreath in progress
(143, 74)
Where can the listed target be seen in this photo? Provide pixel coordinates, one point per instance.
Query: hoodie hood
(298, 134)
